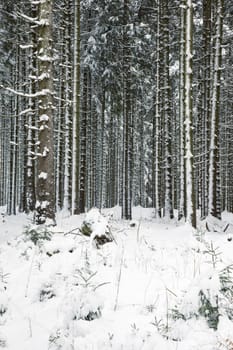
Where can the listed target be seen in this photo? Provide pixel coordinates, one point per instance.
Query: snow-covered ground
(155, 286)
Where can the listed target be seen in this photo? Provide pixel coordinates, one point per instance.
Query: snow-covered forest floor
(155, 286)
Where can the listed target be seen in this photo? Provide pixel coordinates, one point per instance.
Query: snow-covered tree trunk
(11, 205)
(205, 105)
(76, 111)
(83, 141)
(30, 127)
(189, 171)
(67, 109)
(157, 122)
(102, 164)
(89, 145)
(45, 163)
(127, 119)
(110, 157)
(182, 201)
(168, 205)
(214, 161)
(59, 134)
(60, 121)
(142, 151)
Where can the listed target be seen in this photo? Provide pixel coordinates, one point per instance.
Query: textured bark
(189, 169)
(67, 108)
(76, 111)
(30, 190)
(182, 194)
(83, 144)
(45, 164)
(168, 203)
(127, 121)
(204, 113)
(156, 172)
(214, 160)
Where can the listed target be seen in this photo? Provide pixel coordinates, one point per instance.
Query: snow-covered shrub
(55, 341)
(226, 280)
(91, 218)
(201, 299)
(210, 293)
(96, 226)
(209, 310)
(161, 328)
(46, 292)
(86, 304)
(3, 307)
(86, 228)
(3, 297)
(176, 314)
(3, 343)
(37, 234)
(58, 340)
(3, 310)
(82, 303)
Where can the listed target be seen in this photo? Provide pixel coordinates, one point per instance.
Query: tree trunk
(214, 161)
(45, 163)
(189, 170)
(76, 111)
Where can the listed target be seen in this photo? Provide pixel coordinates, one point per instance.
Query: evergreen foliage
(121, 102)
(37, 234)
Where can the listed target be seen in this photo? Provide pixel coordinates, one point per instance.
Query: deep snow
(141, 291)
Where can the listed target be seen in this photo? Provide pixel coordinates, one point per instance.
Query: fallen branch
(71, 232)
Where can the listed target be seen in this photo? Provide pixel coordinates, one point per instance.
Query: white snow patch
(43, 175)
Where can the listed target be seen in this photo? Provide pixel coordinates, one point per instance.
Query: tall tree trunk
(76, 111)
(206, 104)
(189, 169)
(67, 111)
(182, 208)
(168, 205)
(127, 120)
(83, 143)
(157, 120)
(45, 205)
(214, 161)
(30, 153)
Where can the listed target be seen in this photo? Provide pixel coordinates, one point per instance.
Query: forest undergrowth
(151, 284)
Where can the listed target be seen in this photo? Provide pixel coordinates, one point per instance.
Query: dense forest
(116, 102)
(116, 174)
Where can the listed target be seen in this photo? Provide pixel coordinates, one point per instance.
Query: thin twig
(30, 273)
(100, 285)
(71, 232)
(138, 229)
